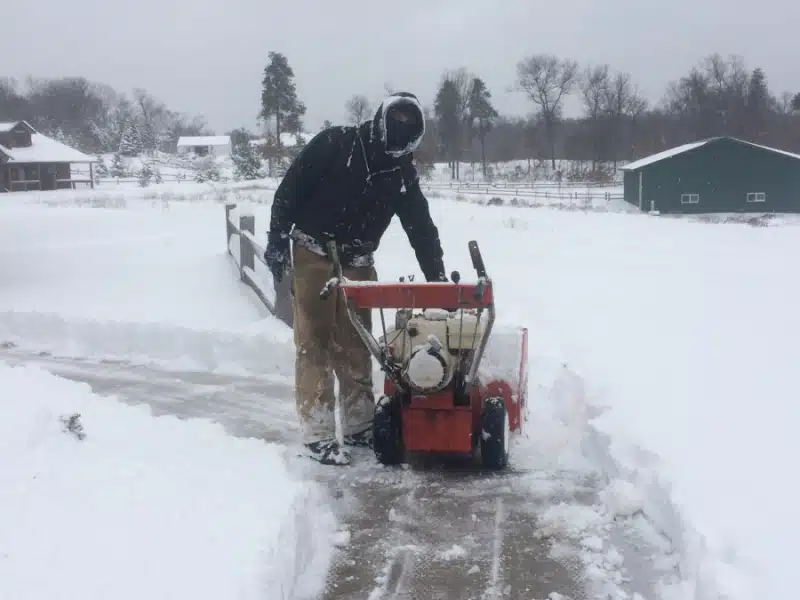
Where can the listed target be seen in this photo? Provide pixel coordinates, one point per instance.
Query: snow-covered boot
(328, 452)
(362, 439)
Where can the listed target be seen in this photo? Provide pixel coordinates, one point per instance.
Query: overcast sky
(207, 56)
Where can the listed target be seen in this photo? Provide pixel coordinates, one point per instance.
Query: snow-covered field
(662, 357)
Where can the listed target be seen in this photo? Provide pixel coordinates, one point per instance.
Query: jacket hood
(412, 136)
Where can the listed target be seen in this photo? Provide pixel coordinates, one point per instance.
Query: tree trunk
(551, 140)
(483, 154)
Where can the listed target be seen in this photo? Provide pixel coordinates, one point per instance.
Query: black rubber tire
(387, 432)
(494, 431)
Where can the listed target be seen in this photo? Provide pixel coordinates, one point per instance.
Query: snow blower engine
(434, 400)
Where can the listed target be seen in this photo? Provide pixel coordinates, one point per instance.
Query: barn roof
(7, 126)
(659, 156)
(43, 149)
(204, 140)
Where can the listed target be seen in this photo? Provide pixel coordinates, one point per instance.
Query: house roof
(7, 126)
(204, 140)
(659, 156)
(42, 149)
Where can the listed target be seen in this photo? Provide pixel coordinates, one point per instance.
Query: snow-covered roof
(784, 152)
(204, 140)
(7, 126)
(45, 150)
(654, 158)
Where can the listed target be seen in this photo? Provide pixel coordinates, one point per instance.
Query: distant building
(30, 160)
(205, 145)
(717, 175)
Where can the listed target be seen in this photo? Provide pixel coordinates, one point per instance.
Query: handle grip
(477, 259)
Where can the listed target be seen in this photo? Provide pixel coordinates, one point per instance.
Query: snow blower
(434, 399)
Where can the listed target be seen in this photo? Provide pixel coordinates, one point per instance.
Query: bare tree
(783, 103)
(547, 79)
(358, 109)
(594, 85)
(623, 104)
(457, 87)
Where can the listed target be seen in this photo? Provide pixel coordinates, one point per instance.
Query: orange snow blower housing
(435, 399)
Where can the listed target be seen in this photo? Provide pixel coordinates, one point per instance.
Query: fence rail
(524, 184)
(563, 194)
(250, 251)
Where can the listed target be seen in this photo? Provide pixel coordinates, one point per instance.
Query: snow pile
(104, 498)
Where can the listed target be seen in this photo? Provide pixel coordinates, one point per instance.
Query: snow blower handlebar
(403, 295)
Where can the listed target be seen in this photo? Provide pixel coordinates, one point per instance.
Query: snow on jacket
(343, 186)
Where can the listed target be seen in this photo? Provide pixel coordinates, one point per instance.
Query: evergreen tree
(279, 100)
(145, 175)
(326, 124)
(101, 170)
(239, 137)
(117, 166)
(131, 142)
(247, 163)
(207, 169)
(446, 109)
(796, 102)
(149, 137)
(481, 115)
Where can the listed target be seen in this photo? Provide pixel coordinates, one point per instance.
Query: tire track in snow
(433, 531)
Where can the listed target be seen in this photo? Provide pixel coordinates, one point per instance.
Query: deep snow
(102, 500)
(671, 345)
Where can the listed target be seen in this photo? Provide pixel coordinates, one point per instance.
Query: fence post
(246, 250)
(228, 227)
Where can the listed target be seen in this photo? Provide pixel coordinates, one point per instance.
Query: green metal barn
(716, 175)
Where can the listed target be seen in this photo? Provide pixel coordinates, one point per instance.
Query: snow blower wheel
(494, 434)
(387, 434)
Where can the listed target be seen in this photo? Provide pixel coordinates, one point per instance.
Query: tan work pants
(327, 344)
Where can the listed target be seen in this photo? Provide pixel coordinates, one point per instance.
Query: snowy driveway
(431, 531)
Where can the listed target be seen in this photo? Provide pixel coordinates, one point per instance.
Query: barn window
(690, 198)
(756, 197)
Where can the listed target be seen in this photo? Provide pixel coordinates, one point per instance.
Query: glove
(277, 255)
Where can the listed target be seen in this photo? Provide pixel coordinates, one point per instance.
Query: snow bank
(104, 498)
(264, 349)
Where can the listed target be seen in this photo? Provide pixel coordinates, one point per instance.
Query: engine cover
(428, 368)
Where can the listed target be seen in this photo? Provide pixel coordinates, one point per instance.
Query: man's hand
(277, 255)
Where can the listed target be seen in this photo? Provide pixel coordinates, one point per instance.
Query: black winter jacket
(344, 187)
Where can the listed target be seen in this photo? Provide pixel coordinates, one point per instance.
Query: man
(346, 185)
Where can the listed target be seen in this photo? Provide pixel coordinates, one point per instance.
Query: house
(205, 145)
(717, 175)
(30, 160)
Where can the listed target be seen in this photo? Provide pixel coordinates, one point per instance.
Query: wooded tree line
(718, 96)
(95, 117)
